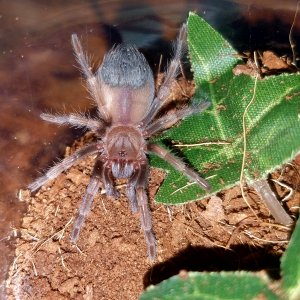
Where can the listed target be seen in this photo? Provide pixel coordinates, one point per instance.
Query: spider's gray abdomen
(127, 85)
(125, 66)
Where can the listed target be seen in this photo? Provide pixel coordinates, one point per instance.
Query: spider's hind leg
(94, 86)
(172, 72)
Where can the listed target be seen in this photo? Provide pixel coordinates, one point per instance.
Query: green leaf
(290, 266)
(210, 286)
(272, 121)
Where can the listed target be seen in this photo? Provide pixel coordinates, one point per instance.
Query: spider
(127, 108)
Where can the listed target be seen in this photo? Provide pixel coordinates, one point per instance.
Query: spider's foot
(34, 185)
(74, 235)
(151, 245)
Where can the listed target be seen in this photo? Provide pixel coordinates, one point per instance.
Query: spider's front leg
(87, 200)
(101, 174)
(145, 214)
(130, 190)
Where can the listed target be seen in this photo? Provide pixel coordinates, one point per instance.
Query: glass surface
(37, 72)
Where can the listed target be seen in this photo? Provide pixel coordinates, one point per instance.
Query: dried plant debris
(265, 63)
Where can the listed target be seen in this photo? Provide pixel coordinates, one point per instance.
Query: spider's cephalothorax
(123, 89)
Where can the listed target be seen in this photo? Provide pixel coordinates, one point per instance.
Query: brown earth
(110, 262)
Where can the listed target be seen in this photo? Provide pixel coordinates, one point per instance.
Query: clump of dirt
(110, 260)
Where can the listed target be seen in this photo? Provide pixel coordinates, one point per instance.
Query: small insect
(127, 109)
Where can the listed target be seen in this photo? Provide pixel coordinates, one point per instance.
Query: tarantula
(123, 89)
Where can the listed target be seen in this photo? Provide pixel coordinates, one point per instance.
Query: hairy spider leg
(75, 120)
(65, 164)
(94, 86)
(130, 189)
(179, 165)
(171, 73)
(87, 200)
(145, 214)
(169, 120)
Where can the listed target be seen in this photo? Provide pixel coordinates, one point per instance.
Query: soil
(110, 260)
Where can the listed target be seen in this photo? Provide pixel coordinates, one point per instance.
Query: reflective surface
(37, 72)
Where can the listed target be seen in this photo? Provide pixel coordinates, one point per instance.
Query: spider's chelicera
(123, 89)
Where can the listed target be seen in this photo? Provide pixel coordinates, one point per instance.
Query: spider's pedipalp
(65, 164)
(108, 182)
(75, 120)
(179, 165)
